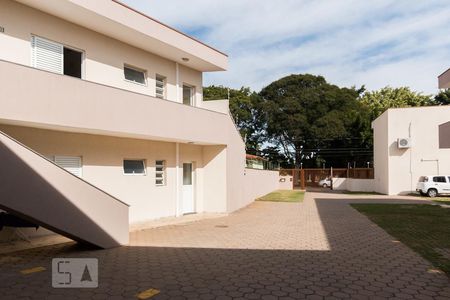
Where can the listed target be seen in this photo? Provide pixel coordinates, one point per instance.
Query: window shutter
(71, 164)
(47, 55)
(160, 90)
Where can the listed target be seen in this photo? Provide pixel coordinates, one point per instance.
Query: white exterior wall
(399, 170)
(102, 165)
(354, 184)
(258, 183)
(381, 154)
(104, 57)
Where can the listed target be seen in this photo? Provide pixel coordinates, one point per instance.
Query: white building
(409, 143)
(103, 123)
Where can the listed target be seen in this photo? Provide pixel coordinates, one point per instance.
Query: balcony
(36, 98)
(444, 80)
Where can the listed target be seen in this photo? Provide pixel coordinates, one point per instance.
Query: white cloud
(350, 42)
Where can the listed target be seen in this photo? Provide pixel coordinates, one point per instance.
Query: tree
(388, 97)
(305, 116)
(443, 98)
(242, 109)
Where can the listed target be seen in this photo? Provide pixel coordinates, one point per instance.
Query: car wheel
(432, 193)
(325, 185)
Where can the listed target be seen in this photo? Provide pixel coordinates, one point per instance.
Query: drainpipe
(410, 158)
(177, 78)
(177, 180)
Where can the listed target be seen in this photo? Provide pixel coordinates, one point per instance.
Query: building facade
(115, 98)
(409, 143)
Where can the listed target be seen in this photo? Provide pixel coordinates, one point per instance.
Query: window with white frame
(160, 172)
(71, 164)
(188, 94)
(134, 167)
(134, 75)
(56, 57)
(160, 82)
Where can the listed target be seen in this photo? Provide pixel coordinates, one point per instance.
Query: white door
(187, 190)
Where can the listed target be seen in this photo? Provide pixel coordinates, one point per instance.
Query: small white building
(409, 143)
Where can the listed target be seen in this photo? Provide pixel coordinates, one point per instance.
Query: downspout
(177, 78)
(410, 159)
(177, 179)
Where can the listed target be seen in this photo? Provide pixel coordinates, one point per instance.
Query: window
(134, 75)
(72, 62)
(71, 164)
(54, 57)
(160, 86)
(444, 136)
(439, 179)
(160, 172)
(187, 174)
(134, 167)
(188, 95)
(423, 179)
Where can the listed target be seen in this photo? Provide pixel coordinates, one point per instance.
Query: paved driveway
(316, 249)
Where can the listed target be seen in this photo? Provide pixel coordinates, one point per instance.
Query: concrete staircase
(37, 190)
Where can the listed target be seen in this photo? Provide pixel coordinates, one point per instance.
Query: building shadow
(362, 261)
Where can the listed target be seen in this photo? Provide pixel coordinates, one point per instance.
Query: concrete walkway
(321, 248)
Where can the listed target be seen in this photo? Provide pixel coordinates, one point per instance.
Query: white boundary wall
(258, 183)
(354, 184)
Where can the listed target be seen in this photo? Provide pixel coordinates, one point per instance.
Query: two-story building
(114, 97)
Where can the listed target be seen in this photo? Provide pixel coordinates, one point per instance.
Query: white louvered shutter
(71, 164)
(47, 55)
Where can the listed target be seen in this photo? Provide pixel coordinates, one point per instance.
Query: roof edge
(167, 26)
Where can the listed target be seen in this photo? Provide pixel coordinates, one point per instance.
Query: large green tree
(389, 97)
(242, 109)
(443, 98)
(307, 118)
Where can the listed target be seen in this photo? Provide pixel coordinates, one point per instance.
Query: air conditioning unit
(403, 143)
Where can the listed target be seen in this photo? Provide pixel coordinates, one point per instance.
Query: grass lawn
(424, 228)
(283, 196)
(440, 200)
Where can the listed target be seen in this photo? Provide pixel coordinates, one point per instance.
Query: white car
(325, 183)
(433, 185)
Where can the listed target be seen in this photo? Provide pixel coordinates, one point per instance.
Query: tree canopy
(242, 108)
(304, 113)
(304, 120)
(443, 98)
(388, 97)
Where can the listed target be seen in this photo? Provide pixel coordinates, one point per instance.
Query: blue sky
(349, 42)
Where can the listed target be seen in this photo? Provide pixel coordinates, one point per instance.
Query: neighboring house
(115, 98)
(255, 162)
(409, 143)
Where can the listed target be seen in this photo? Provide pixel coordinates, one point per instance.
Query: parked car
(325, 182)
(433, 185)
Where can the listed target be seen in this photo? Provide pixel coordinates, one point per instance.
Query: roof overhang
(116, 20)
(444, 80)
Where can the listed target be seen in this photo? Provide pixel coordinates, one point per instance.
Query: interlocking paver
(321, 248)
